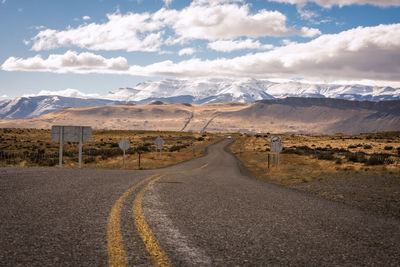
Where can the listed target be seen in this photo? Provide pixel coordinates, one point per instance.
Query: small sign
(67, 133)
(71, 133)
(124, 144)
(159, 142)
(276, 144)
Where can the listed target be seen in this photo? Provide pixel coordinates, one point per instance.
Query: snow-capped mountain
(29, 107)
(245, 90)
(199, 91)
(195, 91)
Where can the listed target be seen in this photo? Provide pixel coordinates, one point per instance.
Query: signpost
(80, 134)
(276, 147)
(159, 143)
(124, 144)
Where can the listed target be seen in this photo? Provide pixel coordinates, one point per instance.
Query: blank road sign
(124, 144)
(276, 144)
(71, 133)
(159, 142)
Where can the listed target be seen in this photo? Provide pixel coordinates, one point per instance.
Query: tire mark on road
(157, 254)
(116, 250)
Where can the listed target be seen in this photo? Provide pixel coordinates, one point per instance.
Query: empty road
(202, 212)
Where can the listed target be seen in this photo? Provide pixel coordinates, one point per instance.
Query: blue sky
(96, 46)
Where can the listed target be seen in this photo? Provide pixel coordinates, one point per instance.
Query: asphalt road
(202, 212)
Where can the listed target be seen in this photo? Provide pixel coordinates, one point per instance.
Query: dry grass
(325, 165)
(33, 147)
(311, 157)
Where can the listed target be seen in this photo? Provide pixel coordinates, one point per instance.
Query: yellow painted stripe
(157, 255)
(116, 251)
(201, 167)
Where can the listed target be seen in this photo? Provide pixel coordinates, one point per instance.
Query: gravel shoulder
(375, 192)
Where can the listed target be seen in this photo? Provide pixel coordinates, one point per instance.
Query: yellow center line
(201, 167)
(116, 251)
(157, 254)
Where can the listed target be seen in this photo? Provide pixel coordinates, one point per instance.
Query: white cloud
(167, 2)
(213, 20)
(208, 20)
(229, 45)
(330, 3)
(130, 32)
(86, 18)
(69, 92)
(68, 62)
(186, 51)
(3, 1)
(362, 53)
(309, 32)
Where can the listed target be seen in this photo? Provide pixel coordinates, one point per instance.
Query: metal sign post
(80, 134)
(61, 140)
(159, 142)
(276, 147)
(124, 144)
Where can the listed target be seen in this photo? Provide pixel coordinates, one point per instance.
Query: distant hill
(198, 91)
(29, 107)
(290, 115)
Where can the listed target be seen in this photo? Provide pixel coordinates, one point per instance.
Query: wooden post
(268, 159)
(139, 159)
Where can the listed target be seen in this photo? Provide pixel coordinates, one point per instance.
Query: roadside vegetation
(33, 147)
(361, 170)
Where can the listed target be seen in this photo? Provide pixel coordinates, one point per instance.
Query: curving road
(202, 212)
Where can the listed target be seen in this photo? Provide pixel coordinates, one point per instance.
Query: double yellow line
(116, 251)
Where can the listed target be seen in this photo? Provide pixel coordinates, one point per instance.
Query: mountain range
(206, 91)
(289, 115)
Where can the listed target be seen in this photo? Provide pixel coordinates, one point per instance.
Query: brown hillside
(297, 115)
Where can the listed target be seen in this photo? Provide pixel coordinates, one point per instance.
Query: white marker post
(159, 142)
(276, 147)
(78, 134)
(124, 144)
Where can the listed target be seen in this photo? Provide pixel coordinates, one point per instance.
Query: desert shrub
(367, 146)
(338, 161)
(114, 144)
(325, 155)
(176, 148)
(389, 161)
(48, 162)
(398, 150)
(89, 160)
(377, 159)
(388, 148)
(200, 139)
(351, 146)
(143, 148)
(356, 157)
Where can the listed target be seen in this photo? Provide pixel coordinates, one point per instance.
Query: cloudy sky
(96, 46)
